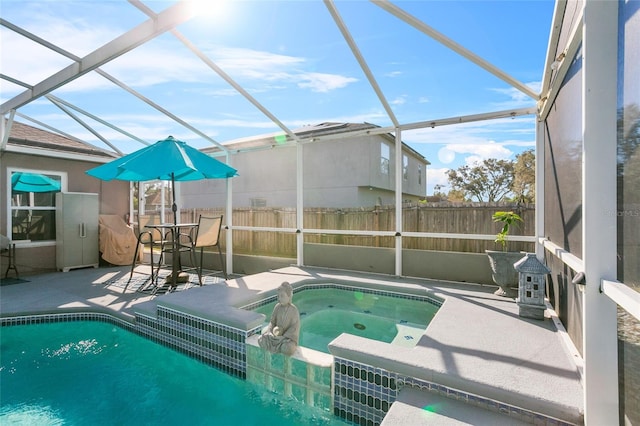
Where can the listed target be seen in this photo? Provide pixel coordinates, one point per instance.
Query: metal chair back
(208, 234)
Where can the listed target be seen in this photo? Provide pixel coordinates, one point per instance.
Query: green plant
(507, 219)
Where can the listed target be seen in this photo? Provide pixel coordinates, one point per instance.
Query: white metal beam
(112, 79)
(167, 19)
(599, 226)
(509, 113)
(398, 207)
(554, 37)
(539, 187)
(96, 118)
(78, 120)
(220, 72)
(5, 130)
(461, 50)
(299, 204)
(363, 64)
(159, 108)
(563, 64)
(56, 100)
(623, 295)
(55, 130)
(569, 259)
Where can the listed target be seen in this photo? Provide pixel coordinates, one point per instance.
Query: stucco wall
(41, 257)
(335, 171)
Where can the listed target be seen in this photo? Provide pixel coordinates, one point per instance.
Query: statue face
(283, 296)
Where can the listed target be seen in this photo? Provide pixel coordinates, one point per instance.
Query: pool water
(325, 313)
(79, 373)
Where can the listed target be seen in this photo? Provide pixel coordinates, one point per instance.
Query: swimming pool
(88, 372)
(329, 310)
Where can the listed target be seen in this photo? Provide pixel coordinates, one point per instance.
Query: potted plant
(502, 270)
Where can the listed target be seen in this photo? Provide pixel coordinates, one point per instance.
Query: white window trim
(63, 187)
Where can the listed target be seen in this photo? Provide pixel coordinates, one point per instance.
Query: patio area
(477, 344)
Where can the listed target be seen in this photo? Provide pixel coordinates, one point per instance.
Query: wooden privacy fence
(470, 218)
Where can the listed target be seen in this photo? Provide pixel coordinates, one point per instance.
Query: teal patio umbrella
(168, 159)
(33, 182)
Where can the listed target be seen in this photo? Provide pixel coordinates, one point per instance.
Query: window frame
(11, 208)
(385, 161)
(405, 167)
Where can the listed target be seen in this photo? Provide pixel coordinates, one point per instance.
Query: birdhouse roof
(531, 265)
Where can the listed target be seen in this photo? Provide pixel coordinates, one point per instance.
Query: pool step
(416, 407)
(408, 335)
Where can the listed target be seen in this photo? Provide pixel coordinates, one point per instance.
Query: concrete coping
(222, 314)
(306, 355)
(365, 284)
(400, 360)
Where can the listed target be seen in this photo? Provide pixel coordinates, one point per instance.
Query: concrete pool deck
(476, 343)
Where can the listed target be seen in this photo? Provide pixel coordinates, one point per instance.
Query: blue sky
(291, 57)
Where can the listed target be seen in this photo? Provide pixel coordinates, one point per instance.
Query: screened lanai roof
(122, 74)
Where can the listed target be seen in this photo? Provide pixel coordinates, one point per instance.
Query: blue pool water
(325, 313)
(81, 373)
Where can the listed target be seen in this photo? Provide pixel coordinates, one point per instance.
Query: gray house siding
(338, 173)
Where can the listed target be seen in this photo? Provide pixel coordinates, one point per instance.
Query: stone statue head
(285, 293)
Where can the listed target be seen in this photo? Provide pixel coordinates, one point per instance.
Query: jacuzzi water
(325, 313)
(93, 373)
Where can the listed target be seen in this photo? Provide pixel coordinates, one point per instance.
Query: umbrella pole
(174, 206)
(176, 254)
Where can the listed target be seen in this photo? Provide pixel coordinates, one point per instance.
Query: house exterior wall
(337, 173)
(114, 195)
(41, 256)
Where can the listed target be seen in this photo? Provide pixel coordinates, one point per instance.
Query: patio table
(175, 230)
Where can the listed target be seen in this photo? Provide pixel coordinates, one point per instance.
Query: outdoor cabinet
(76, 230)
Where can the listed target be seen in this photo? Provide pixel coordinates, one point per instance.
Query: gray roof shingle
(29, 136)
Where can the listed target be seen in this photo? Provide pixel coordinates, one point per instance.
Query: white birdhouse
(531, 286)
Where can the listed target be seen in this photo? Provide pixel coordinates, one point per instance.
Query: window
(384, 158)
(258, 202)
(33, 203)
(405, 167)
(419, 174)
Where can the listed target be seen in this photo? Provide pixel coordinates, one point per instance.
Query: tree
(490, 180)
(524, 181)
(456, 196)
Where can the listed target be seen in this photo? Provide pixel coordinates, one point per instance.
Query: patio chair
(8, 250)
(207, 235)
(154, 239)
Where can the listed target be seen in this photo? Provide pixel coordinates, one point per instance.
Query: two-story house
(338, 172)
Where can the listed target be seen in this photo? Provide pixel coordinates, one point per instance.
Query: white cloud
(400, 100)
(482, 151)
(77, 36)
(253, 63)
(323, 83)
(14, 46)
(437, 177)
(473, 160)
(271, 67)
(280, 81)
(516, 98)
(159, 61)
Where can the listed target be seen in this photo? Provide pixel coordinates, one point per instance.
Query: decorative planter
(503, 272)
